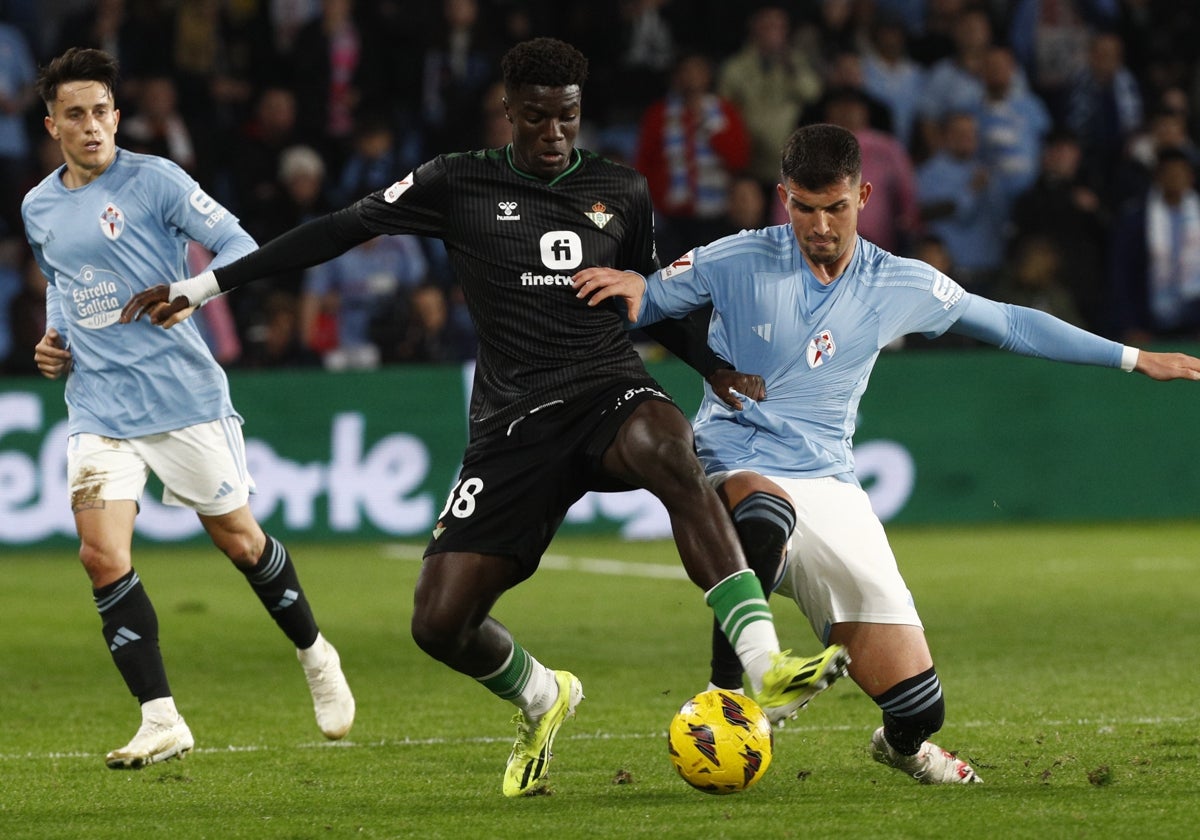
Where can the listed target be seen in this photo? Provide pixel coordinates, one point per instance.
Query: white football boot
(332, 701)
(932, 765)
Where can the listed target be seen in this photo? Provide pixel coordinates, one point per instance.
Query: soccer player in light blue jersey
(808, 306)
(103, 226)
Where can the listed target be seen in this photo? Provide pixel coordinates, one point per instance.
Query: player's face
(825, 221)
(84, 122)
(545, 123)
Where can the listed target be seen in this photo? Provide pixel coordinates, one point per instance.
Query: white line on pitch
(793, 727)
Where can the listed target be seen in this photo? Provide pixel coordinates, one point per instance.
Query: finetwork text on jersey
(531, 279)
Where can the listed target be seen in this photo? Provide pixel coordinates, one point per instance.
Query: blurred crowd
(1040, 152)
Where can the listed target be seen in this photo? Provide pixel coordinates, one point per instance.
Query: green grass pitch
(1070, 658)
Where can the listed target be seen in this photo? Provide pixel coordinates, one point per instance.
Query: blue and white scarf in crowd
(1173, 248)
(696, 174)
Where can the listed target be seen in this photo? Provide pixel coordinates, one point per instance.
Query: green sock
(523, 681)
(745, 619)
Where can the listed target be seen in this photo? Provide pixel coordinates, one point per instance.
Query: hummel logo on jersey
(398, 189)
(508, 212)
(599, 216)
(224, 490)
(680, 266)
(763, 331)
(289, 598)
(112, 221)
(123, 637)
(820, 348)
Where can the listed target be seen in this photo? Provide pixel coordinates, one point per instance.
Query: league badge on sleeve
(680, 266)
(820, 348)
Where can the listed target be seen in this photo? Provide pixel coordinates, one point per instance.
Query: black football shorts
(516, 485)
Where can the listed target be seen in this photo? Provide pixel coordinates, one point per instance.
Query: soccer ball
(720, 742)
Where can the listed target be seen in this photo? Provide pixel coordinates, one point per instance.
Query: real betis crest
(598, 215)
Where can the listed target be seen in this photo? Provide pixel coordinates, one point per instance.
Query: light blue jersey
(815, 345)
(99, 244)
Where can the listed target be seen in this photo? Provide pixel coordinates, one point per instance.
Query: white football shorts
(839, 565)
(202, 467)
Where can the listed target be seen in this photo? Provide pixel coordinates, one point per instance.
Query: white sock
(160, 709)
(754, 648)
(313, 655)
(539, 693)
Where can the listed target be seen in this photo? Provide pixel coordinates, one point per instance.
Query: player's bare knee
(101, 565)
(243, 549)
(441, 639)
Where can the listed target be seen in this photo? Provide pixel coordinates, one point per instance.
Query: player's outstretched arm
(600, 284)
(1167, 366)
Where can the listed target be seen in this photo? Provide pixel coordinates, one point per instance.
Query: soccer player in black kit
(561, 402)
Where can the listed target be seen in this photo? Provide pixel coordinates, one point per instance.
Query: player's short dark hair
(545, 62)
(818, 155)
(78, 64)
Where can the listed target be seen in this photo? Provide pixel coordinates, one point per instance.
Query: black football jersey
(514, 242)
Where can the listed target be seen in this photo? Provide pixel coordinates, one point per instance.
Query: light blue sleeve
(234, 244)
(54, 311)
(673, 293)
(1031, 332)
(201, 218)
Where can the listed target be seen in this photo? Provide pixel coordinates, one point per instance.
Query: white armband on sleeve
(196, 289)
(1129, 358)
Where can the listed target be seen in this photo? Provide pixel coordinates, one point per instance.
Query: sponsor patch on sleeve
(946, 290)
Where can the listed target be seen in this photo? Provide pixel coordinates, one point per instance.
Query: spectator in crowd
(156, 127)
(932, 30)
(1050, 41)
(430, 332)
(963, 203)
(298, 197)
(893, 77)
(1012, 122)
(955, 83)
(1155, 261)
(223, 54)
(892, 218)
(772, 83)
(275, 342)
(17, 74)
(141, 42)
(457, 66)
(747, 207)
(336, 68)
(494, 129)
(11, 282)
(642, 45)
(373, 160)
(1166, 128)
(691, 145)
(1103, 105)
(352, 291)
(26, 317)
(1033, 278)
(845, 71)
(1062, 206)
(831, 28)
(261, 142)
